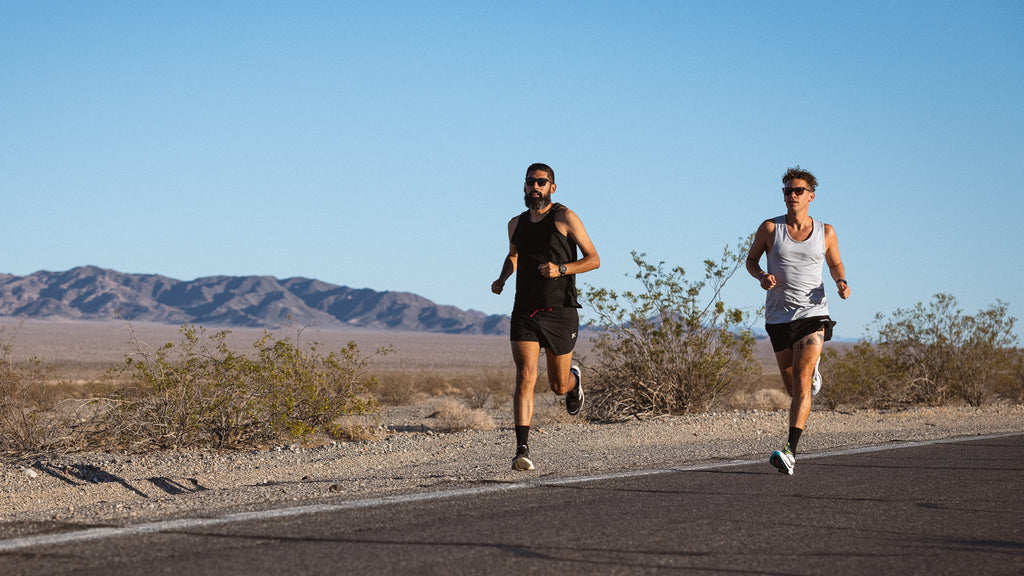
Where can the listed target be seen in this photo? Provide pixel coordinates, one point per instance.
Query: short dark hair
(542, 167)
(798, 173)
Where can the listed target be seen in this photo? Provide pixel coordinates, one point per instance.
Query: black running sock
(794, 437)
(522, 435)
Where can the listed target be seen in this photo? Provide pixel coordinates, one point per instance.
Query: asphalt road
(947, 507)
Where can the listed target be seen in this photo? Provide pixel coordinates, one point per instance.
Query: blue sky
(383, 144)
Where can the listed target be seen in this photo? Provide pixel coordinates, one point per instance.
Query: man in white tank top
(796, 311)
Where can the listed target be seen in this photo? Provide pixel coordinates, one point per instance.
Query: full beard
(537, 203)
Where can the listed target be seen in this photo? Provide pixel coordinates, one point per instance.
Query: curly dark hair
(543, 168)
(798, 173)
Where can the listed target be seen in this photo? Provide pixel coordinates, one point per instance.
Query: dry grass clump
(452, 415)
(762, 399)
(763, 392)
(359, 428)
(486, 387)
(397, 388)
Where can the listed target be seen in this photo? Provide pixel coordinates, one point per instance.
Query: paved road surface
(948, 507)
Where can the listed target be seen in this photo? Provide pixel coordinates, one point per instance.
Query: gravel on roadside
(65, 492)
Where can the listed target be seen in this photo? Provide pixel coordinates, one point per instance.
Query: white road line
(190, 523)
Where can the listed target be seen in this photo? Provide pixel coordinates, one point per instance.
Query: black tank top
(537, 243)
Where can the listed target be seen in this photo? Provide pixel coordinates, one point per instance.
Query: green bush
(673, 346)
(200, 393)
(931, 354)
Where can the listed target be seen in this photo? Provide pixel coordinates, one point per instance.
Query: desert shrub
(866, 376)
(36, 415)
(670, 347)
(200, 393)
(407, 388)
(927, 355)
(1012, 388)
(487, 387)
(397, 388)
(851, 376)
(477, 388)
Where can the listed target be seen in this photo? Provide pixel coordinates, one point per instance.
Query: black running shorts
(554, 328)
(785, 335)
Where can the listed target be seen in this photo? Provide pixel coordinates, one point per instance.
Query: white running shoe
(522, 460)
(783, 460)
(816, 379)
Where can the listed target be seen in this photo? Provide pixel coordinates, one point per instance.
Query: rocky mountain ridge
(92, 293)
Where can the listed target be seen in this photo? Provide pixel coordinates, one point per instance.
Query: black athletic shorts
(785, 335)
(554, 328)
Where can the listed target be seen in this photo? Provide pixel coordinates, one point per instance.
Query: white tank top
(799, 291)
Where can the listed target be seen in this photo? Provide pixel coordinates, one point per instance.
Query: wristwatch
(561, 270)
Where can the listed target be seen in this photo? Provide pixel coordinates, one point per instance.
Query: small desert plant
(452, 415)
(671, 347)
(36, 415)
(406, 388)
(927, 355)
(199, 392)
(397, 388)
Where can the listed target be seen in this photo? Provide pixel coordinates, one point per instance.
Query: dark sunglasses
(542, 181)
(798, 191)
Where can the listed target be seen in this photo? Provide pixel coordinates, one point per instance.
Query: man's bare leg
(796, 365)
(806, 352)
(526, 356)
(559, 377)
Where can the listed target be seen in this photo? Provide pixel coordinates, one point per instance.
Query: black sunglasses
(798, 191)
(542, 181)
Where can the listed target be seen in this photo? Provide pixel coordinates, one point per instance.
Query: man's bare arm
(761, 245)
(508, 267)
(835, 263)
(573, 228)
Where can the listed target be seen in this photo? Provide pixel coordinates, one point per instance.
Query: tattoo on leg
(815, 339)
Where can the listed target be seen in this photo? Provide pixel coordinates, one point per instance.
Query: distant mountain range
(93, 293)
